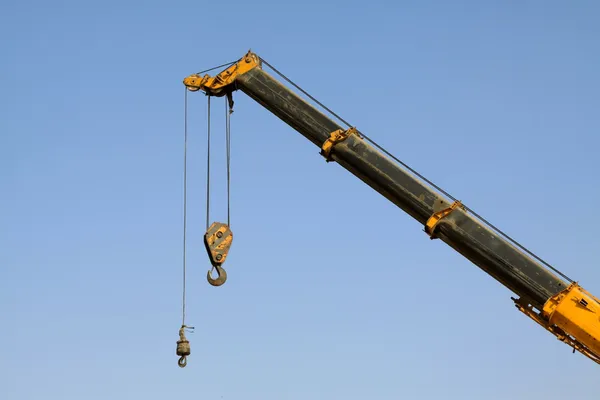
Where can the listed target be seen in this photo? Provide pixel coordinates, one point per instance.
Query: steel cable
(228, 155)
(229, 64)
(185, 135)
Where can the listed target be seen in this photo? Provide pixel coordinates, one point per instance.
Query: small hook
(183, 347)
(222, 276)
(182, 362)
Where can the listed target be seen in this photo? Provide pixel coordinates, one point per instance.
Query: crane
(543, 293)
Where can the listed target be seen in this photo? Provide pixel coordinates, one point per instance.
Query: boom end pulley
(222, 83)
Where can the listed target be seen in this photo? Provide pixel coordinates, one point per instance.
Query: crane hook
(221, 273)
(183, 346)
(217, 240)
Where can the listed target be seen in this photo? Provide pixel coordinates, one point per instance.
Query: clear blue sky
(497, 103)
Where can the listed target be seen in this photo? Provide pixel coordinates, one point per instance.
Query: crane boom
(559, 305)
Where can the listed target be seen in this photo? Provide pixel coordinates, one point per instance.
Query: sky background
(497, 102)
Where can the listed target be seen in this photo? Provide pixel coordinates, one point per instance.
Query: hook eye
(182, 362)
(222, 276)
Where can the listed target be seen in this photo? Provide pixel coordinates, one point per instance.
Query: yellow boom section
(576, 312)
(573, 316)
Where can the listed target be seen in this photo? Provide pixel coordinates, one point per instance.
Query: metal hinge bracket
(435, 219)
(334, 138)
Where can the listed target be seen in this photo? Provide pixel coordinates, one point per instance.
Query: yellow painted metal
(573, 316)
(334, 138)
(434, 220)
(217, 85)
(576, 312)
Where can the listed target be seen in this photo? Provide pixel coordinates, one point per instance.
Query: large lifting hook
(218, 236)
(217, 240)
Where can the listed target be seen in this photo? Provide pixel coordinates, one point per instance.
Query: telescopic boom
(559, 305)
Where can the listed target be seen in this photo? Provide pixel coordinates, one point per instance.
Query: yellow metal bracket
(220, 84)
(435, 219)
(334, 138)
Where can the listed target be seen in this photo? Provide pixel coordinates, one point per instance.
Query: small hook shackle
(183, 347)
(221, 276)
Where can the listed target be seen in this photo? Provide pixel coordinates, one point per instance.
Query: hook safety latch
(217, 240)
